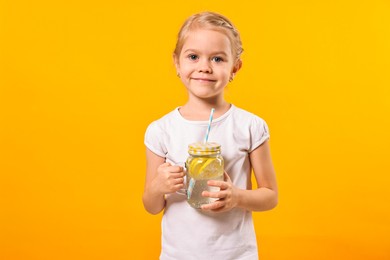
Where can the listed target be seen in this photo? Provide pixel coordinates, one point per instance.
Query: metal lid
(200, 148)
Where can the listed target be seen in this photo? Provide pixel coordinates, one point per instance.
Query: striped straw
(208, 128)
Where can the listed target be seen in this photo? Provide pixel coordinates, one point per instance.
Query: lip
(204, 79)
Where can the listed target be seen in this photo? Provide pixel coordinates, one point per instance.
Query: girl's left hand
(227, 196)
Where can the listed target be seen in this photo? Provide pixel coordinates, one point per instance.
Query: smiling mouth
(204, 79)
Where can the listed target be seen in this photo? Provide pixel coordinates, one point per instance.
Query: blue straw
(208, 128)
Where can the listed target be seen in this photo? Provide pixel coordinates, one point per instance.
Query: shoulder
(245, 117)
(251, 125)
(163, 122)
(156, 134)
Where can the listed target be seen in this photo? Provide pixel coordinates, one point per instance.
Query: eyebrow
(213, 53)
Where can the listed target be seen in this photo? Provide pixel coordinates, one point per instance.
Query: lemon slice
(205, 164)
(195, 166)
(210, 169)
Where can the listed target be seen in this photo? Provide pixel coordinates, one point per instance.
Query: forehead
(207, 40)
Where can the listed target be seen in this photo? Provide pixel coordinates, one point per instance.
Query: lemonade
(204, 163)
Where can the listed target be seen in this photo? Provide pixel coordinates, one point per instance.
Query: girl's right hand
(168, 179)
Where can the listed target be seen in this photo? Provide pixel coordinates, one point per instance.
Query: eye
(217, 59)
(193, 57)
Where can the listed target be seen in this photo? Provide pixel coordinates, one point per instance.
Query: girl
(207, 57)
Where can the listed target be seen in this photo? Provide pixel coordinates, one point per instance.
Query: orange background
(81, 80)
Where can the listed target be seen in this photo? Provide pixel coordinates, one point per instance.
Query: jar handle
(182, 191)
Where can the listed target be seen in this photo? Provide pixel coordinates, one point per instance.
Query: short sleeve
(259, 133)
(154, 139)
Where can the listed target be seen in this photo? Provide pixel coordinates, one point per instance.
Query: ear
(176, 61)
(237, 66)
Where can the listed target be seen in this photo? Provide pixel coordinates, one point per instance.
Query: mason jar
(204, 163)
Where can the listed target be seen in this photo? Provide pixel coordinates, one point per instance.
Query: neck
(199, 109)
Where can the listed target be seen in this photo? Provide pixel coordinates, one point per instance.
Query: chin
(205, 95)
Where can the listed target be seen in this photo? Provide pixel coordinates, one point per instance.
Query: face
(206, 63)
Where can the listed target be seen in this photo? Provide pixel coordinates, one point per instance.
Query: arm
(265, 197)
(161, 178)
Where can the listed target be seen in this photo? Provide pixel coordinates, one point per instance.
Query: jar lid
(200, 148)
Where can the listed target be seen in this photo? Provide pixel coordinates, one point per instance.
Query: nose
(204, 66)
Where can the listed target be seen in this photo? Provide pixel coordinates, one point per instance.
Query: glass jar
(204, 163)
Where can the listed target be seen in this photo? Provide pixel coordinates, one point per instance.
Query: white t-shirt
(189, 233)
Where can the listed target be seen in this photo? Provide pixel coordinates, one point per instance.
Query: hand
(169, 179)
(227, 196)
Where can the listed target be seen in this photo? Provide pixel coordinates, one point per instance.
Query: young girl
(207, 58)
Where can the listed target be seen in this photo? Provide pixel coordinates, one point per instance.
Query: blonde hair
(213, 21)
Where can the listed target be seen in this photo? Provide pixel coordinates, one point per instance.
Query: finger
(178, 181)
(176, 168)
(221, 184)
(217, 195)
(177, 174)
(175, 188)
(179, 186)
(213, 206)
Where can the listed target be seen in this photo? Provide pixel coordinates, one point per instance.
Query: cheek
(185, 70)
(225, 74)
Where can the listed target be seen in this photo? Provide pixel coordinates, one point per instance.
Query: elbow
(271, 202)
(150, 208)
(274, 201)
(152, 211)
(268, 200)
